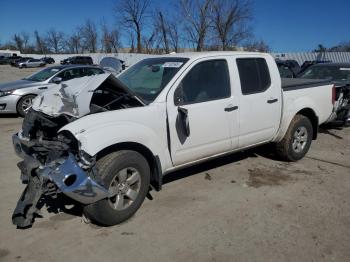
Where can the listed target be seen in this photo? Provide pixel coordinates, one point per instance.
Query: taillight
(333, 94)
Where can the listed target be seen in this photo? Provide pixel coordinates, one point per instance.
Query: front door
(200, 111)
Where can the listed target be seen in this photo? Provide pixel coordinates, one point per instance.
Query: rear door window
(254, 75)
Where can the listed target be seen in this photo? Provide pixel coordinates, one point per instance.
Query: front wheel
(126, 174)
(297, 140)
(24, 104)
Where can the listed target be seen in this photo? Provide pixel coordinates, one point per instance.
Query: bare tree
(73, 43)
(197, 16)
(134, 14)
(230, 19)
(55, 40)
(342, 47)
(174, 36)
(110, 39)
(18, 42)
(40, 43)
(162, 27)
(149, 43)
(257, 46)
(89, 36)
(105, 38)
(25, 37)
(132, 42)
(114, 38)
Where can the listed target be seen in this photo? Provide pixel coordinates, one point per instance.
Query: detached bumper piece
(64, 175)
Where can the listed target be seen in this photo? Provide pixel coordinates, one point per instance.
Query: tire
(109, 212)
(24, 104)
(297, 140)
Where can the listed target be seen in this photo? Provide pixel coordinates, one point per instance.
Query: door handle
(230, 108)
(270, 101)
(41, 88)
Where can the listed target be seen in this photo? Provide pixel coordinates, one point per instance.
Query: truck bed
(300, 83)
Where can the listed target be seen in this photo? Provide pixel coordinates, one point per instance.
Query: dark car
(48, 60)
(12, 59)
(307, 64)
(3, 60)
(336, 72)
(339, 74)
(288, 68)
(82, 60)
(285, 69)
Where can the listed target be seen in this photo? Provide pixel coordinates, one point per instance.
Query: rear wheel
(297, 141)
(24, 104)
(126, 174)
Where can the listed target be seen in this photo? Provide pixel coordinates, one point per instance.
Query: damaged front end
(51, 166)
(53, 162)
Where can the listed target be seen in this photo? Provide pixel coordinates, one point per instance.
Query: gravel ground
(243, 207)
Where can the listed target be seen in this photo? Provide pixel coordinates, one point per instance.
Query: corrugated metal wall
(336, 57)
(130, 58)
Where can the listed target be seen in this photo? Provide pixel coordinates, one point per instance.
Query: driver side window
(206, 81)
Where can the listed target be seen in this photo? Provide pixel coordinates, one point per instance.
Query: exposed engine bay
(53, 162)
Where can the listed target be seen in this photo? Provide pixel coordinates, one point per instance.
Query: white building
(9, 52)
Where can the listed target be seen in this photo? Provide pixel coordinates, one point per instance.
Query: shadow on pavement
(266, 151)
(9, 116)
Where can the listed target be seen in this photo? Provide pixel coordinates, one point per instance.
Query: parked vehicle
(83, 60)
(307, 64)
(112, 65)
(288, 68)
(104, 141)
(12, 59)
(339, 74)
(3, 60)
(17, 96)
(48, 60)
(285, 70)
(31, 63)
(20, 60)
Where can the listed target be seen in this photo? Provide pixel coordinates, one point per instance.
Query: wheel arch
(21, 97)
(153, 160)
(311, 115)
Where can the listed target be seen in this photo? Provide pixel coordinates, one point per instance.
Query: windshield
(43, 74)
(336, 73)
(148, 77)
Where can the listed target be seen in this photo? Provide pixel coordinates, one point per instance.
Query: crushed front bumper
(65, 173)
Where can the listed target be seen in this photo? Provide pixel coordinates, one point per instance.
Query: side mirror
(179, 96)
(56, 80)
(185, 123)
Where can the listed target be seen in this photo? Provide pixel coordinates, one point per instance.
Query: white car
(31, 63)
(104, 141)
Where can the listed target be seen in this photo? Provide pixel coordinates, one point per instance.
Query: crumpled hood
(72, 97)
(17, 85)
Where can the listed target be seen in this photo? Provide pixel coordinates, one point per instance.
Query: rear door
(204, 96)
(260, 102)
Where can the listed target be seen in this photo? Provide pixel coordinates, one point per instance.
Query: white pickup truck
(105, 142)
